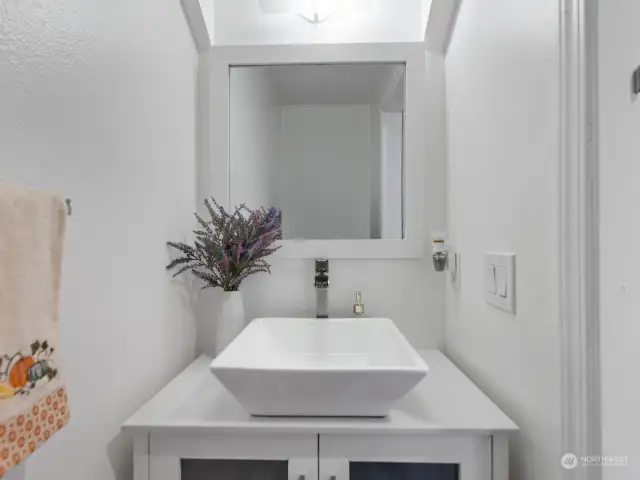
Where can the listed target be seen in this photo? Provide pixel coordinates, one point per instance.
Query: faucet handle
(358, 307)
(321, 278)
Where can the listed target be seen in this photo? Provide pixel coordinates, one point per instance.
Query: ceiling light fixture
(314, 11)
(315, 16)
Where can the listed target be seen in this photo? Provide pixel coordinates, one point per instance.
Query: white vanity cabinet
(445, 429)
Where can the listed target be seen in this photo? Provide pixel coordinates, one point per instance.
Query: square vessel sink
(346, 367)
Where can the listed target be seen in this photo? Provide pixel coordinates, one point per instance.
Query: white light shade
(323, 6)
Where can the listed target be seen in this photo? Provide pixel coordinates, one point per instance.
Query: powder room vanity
(334, 136)
(444, 429)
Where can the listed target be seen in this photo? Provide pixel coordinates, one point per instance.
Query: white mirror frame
(214, 148)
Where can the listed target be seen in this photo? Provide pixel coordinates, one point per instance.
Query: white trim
(197, 24)
(141, 457)
(316, 53)
(499, 456)
(165, 467)
(215, 149)
(579, 234)
(441, 24)
(389, 92)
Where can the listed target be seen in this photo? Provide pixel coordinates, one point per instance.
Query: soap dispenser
(358, 307)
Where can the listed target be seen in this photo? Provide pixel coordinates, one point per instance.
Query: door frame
(579, 235)
(578, 242)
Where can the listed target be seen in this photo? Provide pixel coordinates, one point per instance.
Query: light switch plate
(502, 292)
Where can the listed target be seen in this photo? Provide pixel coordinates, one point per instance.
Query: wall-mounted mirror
(322, 142)
(334, 134)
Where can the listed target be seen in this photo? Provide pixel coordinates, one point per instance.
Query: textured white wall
(98, 104)
(619, 37)
(502, 73)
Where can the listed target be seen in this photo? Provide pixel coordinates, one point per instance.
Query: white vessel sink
(319, 367)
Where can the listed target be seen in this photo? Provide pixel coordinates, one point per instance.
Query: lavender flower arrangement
(229, 246)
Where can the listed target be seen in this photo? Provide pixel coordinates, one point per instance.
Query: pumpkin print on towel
(21, 373)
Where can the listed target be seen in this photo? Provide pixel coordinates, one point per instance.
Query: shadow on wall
(118, 449)
(203, 305)
(206, 305)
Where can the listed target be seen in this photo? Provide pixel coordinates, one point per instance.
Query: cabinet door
(199, 469)
(405, 457)
(233, 457)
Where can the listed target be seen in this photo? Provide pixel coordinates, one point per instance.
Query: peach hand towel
(33, 399)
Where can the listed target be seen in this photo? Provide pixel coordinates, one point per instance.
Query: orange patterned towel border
(23, 434)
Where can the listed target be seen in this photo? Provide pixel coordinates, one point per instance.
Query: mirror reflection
(324, 143)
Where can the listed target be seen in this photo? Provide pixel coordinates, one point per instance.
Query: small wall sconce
(445, 257)
(439, 252)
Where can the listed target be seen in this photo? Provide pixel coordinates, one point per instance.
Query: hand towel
(33, 399)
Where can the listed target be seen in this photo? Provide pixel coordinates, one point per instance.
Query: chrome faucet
(321, 282)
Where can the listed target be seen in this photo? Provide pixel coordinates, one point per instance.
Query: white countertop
(446, 401)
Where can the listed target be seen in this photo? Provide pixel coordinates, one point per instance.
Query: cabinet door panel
(405, 457)
(235, 469)
(233, 457)
(403, 471)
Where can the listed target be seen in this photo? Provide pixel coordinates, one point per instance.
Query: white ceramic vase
(230, 320)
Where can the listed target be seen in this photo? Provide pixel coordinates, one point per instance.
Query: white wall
(326, 167)
(502, 73)
(98, 104)
(242, 22)
(619, 56)
(254, 138)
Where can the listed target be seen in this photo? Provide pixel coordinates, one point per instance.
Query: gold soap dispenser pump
(358, 307)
